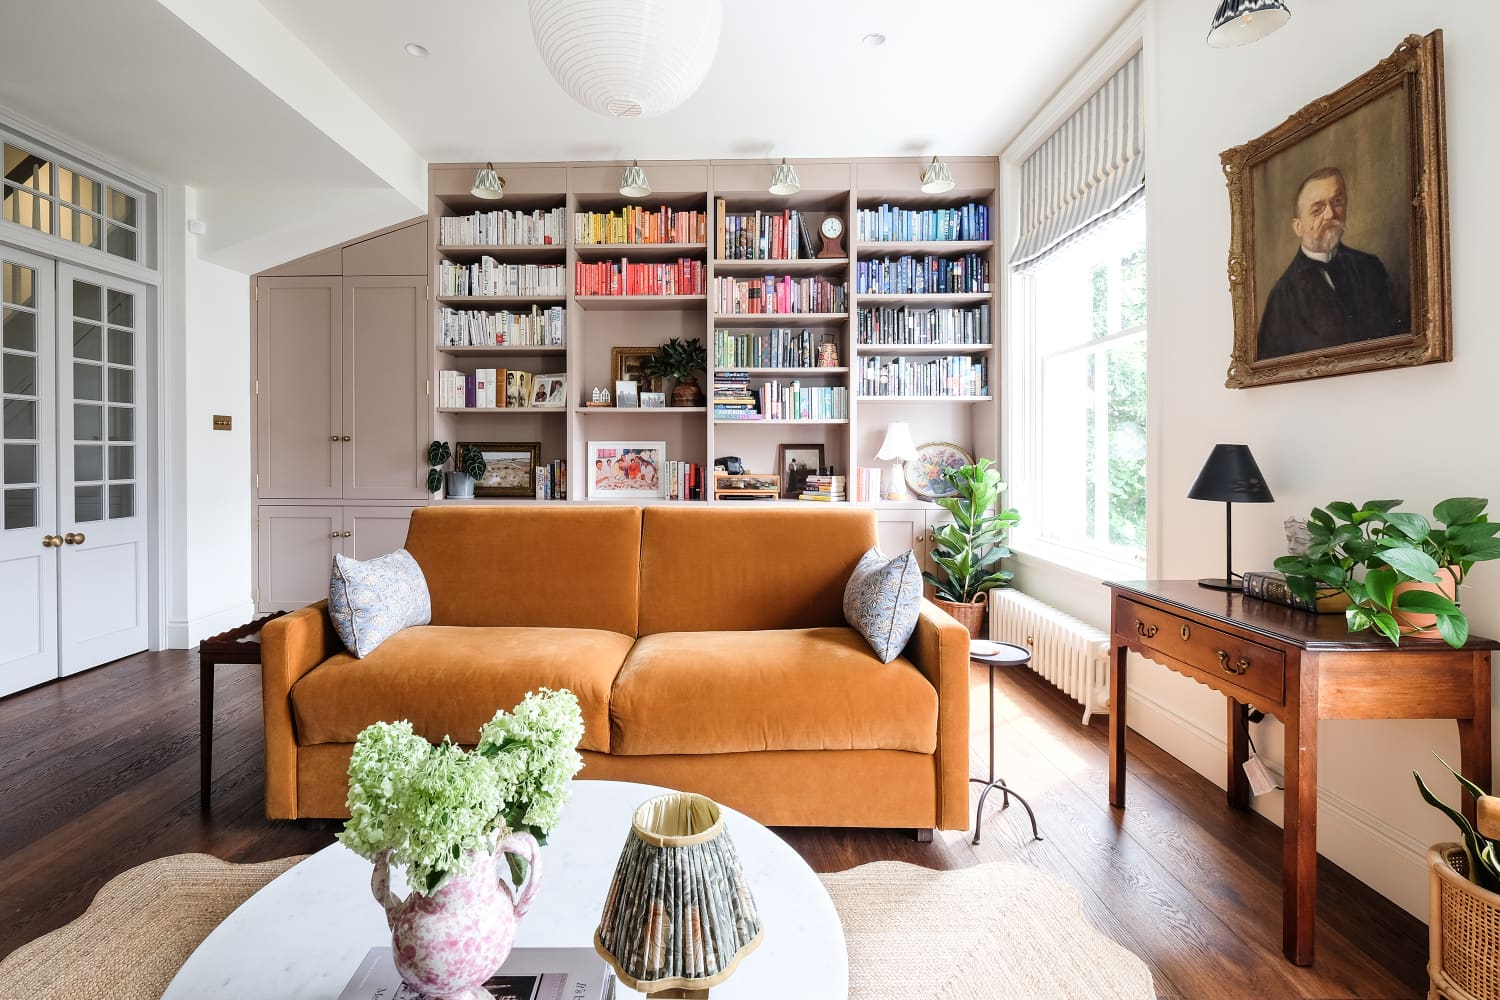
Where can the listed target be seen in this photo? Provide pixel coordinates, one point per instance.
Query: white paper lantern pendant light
(627, 58)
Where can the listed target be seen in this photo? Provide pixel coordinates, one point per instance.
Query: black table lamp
(1230, 475)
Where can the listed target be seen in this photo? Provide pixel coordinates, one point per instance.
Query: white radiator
(1071, 654)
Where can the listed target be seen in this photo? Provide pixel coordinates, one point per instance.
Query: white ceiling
(290, 117)
(791, 77)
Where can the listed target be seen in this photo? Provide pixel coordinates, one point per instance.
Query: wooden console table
(1299, 667)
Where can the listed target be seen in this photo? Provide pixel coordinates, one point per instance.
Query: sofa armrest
(940, 649)
(290, 646)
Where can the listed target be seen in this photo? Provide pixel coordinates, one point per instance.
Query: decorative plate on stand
(924, 474)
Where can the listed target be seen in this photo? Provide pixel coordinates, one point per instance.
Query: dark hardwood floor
(99, 772)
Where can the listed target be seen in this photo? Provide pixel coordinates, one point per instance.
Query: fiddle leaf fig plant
(968, 550)
(1394, 547)
(470, 461)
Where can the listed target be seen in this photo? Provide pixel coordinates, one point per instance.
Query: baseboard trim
(1384, 857)
(186, 633)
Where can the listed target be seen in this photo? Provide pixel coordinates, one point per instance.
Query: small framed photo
(508, 468)
(549, 390)
(795, 462)
(626, 397)
(631, 363)
(653, 400)
(625, 470)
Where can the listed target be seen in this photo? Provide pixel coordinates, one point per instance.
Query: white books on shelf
(528, 973)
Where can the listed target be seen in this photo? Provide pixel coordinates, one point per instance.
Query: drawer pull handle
(1240, 665)
(1186, 632)
(1143, 630)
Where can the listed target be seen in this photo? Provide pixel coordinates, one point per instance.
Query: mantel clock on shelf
(832, 231)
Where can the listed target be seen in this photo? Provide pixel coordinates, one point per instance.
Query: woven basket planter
(970, 616)
(1463, 960)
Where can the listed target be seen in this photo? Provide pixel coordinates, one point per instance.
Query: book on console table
(527, 974)
(1270, 585)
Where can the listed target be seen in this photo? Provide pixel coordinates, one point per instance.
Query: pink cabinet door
(387, 414)
(294, 554)
(299, 378)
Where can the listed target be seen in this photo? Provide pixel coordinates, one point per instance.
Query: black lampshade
(1231, 475)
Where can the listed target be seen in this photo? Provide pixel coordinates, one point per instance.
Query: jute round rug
(991, 931)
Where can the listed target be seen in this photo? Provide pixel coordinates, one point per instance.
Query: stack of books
(825, 489)
(733, 399)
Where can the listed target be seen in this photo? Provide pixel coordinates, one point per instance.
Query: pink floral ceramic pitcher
(448, 943)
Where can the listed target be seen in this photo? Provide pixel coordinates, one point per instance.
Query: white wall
(211, 487)
(1419, 433)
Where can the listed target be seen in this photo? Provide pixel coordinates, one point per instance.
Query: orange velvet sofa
(707, 647)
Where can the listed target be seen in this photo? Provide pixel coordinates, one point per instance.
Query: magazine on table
(527, 974)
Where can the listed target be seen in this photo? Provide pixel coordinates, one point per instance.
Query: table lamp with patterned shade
(679, 916)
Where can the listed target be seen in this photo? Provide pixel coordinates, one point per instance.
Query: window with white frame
(50, 195)
(1076, 336)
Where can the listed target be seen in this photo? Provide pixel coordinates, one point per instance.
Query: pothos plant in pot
(679, 360)
(968, 550)
(467, 467)
(1400, 571)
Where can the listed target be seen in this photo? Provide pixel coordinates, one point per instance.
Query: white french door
(73, 560)
(28, 429)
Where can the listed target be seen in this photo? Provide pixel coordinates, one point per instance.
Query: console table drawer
(1242, 662)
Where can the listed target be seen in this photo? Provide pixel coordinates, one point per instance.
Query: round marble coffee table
(305, 933)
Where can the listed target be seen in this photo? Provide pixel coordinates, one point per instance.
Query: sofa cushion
(368, 602)
(552, 566)
(791, 689)
(882, 601)
(448, 681)
(748, 567)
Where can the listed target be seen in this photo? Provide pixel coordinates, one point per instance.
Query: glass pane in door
(20, 397)
(103, 373)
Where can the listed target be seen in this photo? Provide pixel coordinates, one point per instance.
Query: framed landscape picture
(509, 468)
(1338, 251)
(629, 363)
(625, 470)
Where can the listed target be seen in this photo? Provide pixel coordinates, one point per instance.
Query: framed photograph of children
(1338, 247)
(509, 468)
(794, 463)
(549, 391)
(625, 470)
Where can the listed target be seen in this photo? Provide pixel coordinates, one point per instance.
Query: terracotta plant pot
(1422, 626)
(970, 616)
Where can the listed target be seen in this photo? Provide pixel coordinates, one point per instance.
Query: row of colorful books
(620, 277)
(490, 277)
(951, 375)
(922, 325)
(542, 227)
(778, 294)
(759, 235)
(552, 480)
(926, 275)
(825, 489)
(733, 398)
(778, 347)
(504, 328)
(637, 224)
(865, 483)
(498, 388)
(886, 222)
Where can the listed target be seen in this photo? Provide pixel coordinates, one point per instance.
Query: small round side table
(992, 655)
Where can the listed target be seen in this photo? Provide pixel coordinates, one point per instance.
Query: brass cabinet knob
(348, 534)
(1143, 630)
(52, 541)
(73, 538)
(333, 437)
(333, 534)
(348, 438)
(1238, 668)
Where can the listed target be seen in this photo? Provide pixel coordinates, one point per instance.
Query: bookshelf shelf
(923, 399)
(922, 348)
(505, 411)
(639, 251)
(780, 319)
(897, 248)
(768, 422)
(802, 265)
(922, 299)
(548, 252)
(785, 371)
(637, 411)
(501, 301)
(640, 301)
(520, 350)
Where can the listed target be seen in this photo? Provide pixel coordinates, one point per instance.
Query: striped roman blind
(1089, 170)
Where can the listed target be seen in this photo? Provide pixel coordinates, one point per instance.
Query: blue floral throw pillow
(883, 600)
(373, 600)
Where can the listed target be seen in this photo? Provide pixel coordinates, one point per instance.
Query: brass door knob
(347, 438)
(73, 538)
(333, 534)
(333, 437)
(346, 534)
(52, 541)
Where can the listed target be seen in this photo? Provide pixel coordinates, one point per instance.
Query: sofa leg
(923, 834)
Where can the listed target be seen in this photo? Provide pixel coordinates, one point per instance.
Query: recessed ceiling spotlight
(413, 49)
(874, 40)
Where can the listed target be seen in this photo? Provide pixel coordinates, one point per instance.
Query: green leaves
(968, 549)
(1484, 853)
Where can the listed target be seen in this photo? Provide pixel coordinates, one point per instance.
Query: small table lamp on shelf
(679, 917)
(898, 449)
(1230, 475)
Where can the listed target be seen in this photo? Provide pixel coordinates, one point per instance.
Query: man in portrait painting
(1330, 294)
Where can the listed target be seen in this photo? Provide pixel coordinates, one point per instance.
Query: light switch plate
(223, 423)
